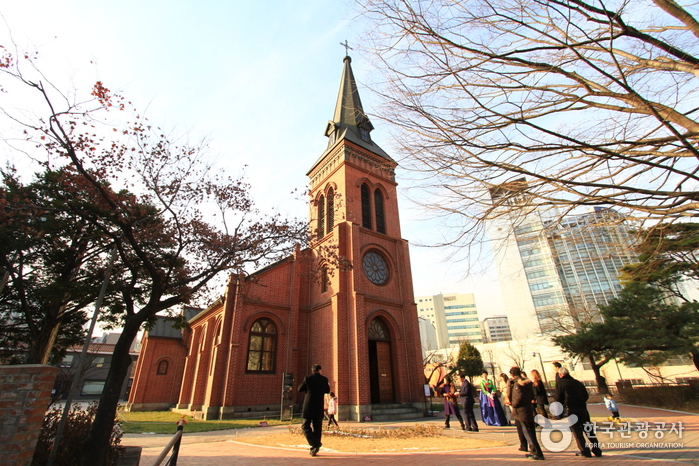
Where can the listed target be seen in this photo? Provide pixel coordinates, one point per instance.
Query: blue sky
(258, 80)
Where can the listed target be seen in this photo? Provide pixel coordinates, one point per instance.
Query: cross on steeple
(347, 47)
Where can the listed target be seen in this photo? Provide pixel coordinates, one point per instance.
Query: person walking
(315, 386)
(557, 366)
(521, 396)
(540, 395)
(332, 410)
(572, 394)
(506, 389)
(467, 392)
(491, 409)
(451, 405)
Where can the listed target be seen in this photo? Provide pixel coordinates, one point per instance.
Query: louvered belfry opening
(366, 207)
(378, 208)
(321, 217)
(331, 209)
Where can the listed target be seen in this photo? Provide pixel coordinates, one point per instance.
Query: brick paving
(221, 448)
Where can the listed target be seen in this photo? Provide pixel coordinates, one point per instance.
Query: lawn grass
(165, 422)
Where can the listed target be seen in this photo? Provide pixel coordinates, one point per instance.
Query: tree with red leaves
(176, 224)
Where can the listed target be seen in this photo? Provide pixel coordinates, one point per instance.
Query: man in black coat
(557, 366)
(572, 394)
(315, 386)
(467, 393)
(520, 392)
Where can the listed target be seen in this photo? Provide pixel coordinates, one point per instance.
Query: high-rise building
(428, 336)
(555, 273)
(454, 316)
(495, 328)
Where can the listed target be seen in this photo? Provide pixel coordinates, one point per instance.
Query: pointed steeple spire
(348, 109)
(349, 120)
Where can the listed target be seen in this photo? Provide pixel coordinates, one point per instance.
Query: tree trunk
(39, 351)
(601, 381)
(97, 446)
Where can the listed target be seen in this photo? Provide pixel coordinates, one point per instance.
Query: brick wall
(25, 392)
(153, 391)
(313, 326)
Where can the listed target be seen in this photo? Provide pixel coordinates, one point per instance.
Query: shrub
(75, 433)
(664, 396)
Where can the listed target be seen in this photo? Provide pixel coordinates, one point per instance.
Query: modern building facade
(454, 317)
(96, 363)
(555, 273)
(355, 317)
(496, 328)
(428, 336)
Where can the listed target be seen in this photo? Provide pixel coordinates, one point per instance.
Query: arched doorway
(380, 368)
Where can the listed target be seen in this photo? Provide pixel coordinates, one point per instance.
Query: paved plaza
(637, 447)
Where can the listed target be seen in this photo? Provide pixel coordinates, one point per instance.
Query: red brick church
(360, 322)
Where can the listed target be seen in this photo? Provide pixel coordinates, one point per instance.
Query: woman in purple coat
(451, 404)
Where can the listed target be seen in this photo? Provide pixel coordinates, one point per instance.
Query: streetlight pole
(81, 360)
(543, 370)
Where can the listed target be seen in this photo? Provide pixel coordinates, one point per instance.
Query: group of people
(522, 397)
(518, 398)
(494, 400)
(451, 403)
(518, 395)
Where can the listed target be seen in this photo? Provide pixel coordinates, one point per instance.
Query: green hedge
(680, 397)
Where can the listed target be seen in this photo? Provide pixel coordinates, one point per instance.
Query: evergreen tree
(469, 361)
(646, 327)
(590, 343)
(52, 262)
(641, 327)
(667, 255)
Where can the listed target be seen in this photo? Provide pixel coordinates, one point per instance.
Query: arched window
(219, 325)
(217, 341)
(331, 210)
(262, 347)
(324, 279)
(378, 210)
(366, 207)
(162, 367)
(321, 217)
(378, 330)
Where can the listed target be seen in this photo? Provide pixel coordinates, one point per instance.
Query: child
(611, 407)
(332, 410)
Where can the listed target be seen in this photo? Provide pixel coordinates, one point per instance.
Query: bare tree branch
(594, 103)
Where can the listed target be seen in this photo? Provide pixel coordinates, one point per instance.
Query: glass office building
(554, 273)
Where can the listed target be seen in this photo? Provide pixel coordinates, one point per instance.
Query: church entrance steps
(394, 412)
(254, 415)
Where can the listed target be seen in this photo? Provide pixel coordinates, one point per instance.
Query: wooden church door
(380, 367)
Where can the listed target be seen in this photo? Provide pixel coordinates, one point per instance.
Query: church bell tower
(362, 318)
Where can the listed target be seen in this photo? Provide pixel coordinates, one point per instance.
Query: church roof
(349, 121)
